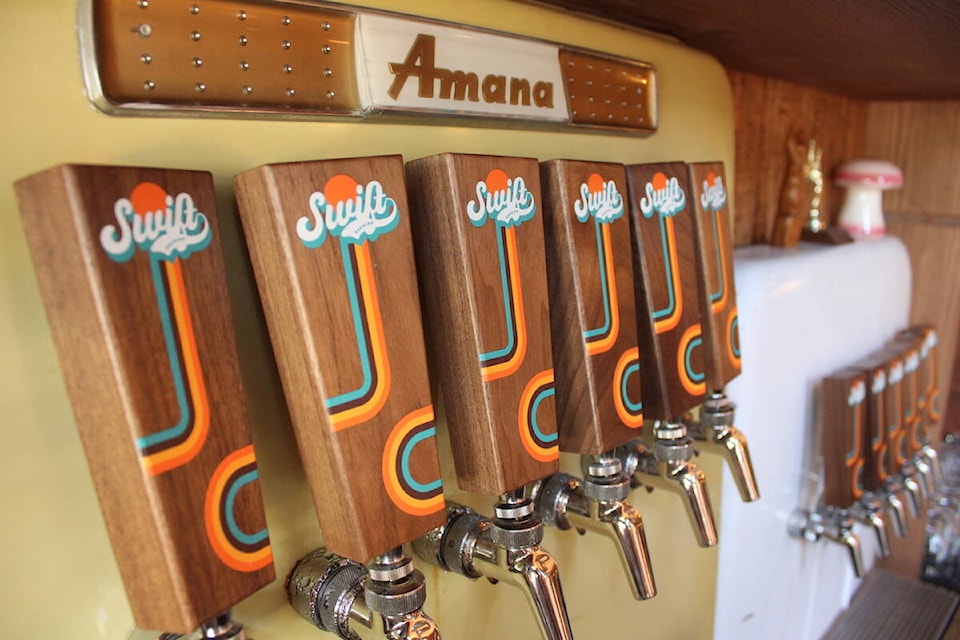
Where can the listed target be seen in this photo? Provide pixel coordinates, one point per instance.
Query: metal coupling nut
(396, 598)
(674, 450)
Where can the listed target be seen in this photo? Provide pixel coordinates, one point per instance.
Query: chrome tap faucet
(716, 432)
(869, 511)
(599, 503)
(669, 465)
(833, 524)
(504, 549)
(343, 597)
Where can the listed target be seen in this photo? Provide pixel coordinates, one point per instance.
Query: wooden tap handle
(893, 408)
(843, 422)
(132, 277)
(929, 388)
(480, 255)
(876, 468)
(333, 256)
(665, 272)
(909, 346)
(592, 309)
(717, 292)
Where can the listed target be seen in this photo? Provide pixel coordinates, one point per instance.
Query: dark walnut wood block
(668, 308)
(333, 256)
(876, 441)
(929, 386)
(908, 345)
(132, 277)
(478, 232)
(592, 307)
(843, 417)
(717, 293)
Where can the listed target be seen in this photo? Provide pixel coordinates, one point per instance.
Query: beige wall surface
(57, 563)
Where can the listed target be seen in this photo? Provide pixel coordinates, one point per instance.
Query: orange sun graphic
(148, 197)
(595, 183)
(659, 181)
(496, 180)
(340, 188)
(711, 178)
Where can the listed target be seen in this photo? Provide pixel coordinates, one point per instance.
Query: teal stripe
(735, 336)
(601, 252)
(671, 304)
(693, 375)
(405, 463)
(173, 354)
(245, 538)
(716, 241)
(542, 395)
(507, 310)
(343, 398)
(635, 407)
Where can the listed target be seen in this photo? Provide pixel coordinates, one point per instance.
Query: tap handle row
(132, 276)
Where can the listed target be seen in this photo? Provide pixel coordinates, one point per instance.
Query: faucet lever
(868, 511)
(897, 513)
(717, 430)
(834, 524)
(915, 494)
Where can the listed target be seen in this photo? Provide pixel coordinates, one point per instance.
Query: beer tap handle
(132, 276)
(912, 414)
(665, 272)
(478, 229)
(331, 247)
(843, 423)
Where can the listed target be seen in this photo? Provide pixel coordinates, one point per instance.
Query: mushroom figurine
(865, 181)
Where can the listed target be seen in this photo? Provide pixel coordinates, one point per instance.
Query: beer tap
(332, 252)
(881, 489)
(900, 481)
(916, 470)
(928, 399)
(594, 329)
(480, 258)
(132, 275)
(842, 425)
(715, 431)
(669, 331)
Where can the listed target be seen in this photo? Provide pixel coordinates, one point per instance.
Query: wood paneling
(767, 111)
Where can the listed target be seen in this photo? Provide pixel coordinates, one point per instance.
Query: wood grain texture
(333, 255)
(876, 440)
(132, 276)
(767, 112)
(478, 233)
(892, 51)
(668, 308)
(592, 307)
(717, 293)
(843, 421)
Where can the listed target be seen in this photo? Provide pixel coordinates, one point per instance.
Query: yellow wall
(55, 558)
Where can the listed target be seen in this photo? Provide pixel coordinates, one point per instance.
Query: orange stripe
(691, 387)
(388, 466)
(724, 275)
(535, 451)
(503, 369)
(605, 344)
(671, 321)
(181, 454)
(230, 556)
(381, 362)
(630, 420)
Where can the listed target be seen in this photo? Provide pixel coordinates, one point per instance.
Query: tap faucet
(598, 503)
(833, 524)
(384, 599)
(503, 549)
(669, 465)
(716, 432)
(869, 511)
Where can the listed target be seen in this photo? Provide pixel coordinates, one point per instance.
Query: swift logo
(858, 393)
(599, 198)
(714, 196)
(664, 196)
(462, 86)
(347, 209)
(506, 200)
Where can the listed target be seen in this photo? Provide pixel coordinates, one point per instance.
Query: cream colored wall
(55, 558)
